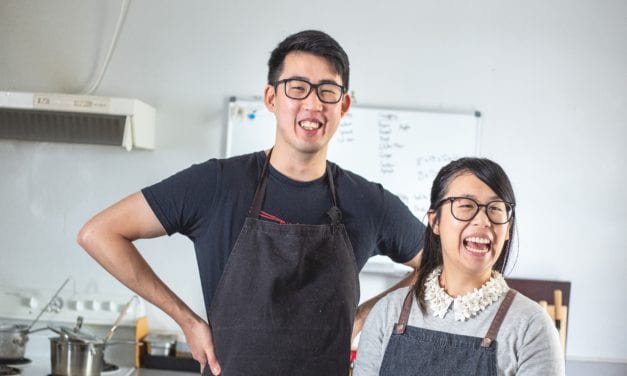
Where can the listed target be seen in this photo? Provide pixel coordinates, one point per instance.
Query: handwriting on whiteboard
(401, 149)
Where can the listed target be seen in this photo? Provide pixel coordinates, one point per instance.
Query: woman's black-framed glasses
(465, 209)
(327, 92)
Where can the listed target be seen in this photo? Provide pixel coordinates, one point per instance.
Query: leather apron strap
(498, 319)
(401, 325)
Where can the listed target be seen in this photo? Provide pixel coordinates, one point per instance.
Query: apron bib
(417, 351)
(286, 301)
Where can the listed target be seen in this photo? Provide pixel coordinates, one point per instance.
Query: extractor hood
(81, 119)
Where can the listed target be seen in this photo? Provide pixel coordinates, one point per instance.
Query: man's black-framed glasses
(327, 92)
(465, 209)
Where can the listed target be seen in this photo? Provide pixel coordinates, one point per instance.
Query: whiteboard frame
(476, 113)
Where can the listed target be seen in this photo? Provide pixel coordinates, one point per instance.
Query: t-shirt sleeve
(180, 200)
(401, 234)
(540, 351)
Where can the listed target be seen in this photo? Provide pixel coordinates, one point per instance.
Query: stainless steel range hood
(85, 119)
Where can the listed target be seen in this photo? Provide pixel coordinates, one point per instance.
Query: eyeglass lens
(465, 209)
(299, 89)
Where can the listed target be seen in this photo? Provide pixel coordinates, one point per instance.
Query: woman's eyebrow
(491, 198)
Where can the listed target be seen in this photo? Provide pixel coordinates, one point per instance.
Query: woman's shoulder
(531, 343)
(524, 304)
(392, 303)
(528, 314)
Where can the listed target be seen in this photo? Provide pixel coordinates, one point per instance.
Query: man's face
(305, 126)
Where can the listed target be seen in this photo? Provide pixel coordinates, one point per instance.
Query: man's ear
(346, 104)
(269, 98)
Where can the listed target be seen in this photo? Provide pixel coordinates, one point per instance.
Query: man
(280, 235)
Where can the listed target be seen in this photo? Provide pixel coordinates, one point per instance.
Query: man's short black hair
(314, 42)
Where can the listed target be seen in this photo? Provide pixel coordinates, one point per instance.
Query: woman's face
(470, 248)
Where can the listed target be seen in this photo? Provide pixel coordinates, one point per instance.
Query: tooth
(478, 240)
(309, 125)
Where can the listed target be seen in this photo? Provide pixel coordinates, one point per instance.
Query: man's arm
(364, 308)
(108, 237)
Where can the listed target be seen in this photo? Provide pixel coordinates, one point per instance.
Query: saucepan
(76, 352)
(71, 356)
(13, 337)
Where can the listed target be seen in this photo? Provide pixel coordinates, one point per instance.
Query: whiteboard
(401, 149)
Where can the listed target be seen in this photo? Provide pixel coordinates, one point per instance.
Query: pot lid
(79, 335)
(75, 334)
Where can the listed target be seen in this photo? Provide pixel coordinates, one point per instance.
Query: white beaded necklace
(467, 305)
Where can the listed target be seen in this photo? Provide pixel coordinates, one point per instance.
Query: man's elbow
(415, 262)
(87, 236)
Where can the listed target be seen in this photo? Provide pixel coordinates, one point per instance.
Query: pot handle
(20, 340)
(59, 332)
(119, 318)
(129, 342)
(39, 329)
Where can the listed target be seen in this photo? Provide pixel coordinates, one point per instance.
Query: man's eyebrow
(306, 79)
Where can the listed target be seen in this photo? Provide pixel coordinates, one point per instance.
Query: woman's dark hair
(494, 177)
(314, 42)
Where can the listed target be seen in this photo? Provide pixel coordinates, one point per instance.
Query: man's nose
(312, 102)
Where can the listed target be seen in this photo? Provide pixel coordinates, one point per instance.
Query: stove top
(37, 362)
(15, 362)
(101, 311)
(8, 371)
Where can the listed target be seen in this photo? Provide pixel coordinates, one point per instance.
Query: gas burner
(8, 371)
(15, 362)
(109, 368)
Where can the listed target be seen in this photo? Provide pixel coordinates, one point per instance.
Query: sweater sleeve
(375, 335)
(540, 350)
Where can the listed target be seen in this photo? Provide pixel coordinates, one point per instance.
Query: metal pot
(76, 352)
(13, 339)
(160, 344)
(75, 357)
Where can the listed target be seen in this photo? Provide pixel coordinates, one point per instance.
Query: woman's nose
(481, 218)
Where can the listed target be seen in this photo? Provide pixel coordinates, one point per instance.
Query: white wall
(548, 76)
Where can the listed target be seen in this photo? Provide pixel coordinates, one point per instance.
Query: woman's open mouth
(477, 245)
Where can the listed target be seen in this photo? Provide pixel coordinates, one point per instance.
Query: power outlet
(97, 309)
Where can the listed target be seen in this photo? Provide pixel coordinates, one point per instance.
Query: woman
(447, 324)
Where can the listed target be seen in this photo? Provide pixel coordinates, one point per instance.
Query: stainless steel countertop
(160, 372)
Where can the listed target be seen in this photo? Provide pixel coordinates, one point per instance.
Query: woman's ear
(433, 222)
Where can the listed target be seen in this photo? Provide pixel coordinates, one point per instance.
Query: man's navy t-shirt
(209, 202)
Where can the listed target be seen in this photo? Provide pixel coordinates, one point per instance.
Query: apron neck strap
(260, 191)
(334, 213)
(498, 319)
(400, 327)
